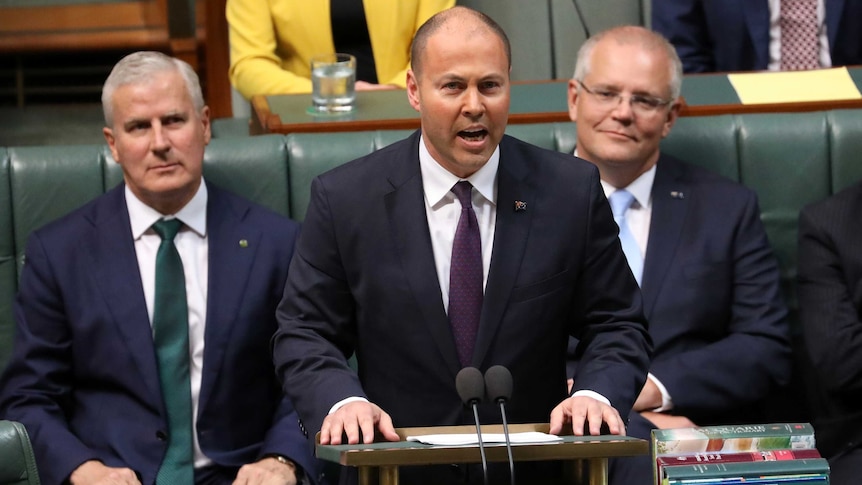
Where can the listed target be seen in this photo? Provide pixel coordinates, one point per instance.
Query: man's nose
(473, 103)
(160, 141)
(623, 109)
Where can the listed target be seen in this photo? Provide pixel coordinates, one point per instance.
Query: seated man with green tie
(144, 317)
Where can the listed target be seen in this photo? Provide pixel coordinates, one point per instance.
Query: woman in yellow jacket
(272, 42)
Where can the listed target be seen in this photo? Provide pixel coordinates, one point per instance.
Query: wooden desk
(384, 458)
(535, 102)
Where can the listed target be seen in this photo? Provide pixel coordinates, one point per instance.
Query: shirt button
(161, 435)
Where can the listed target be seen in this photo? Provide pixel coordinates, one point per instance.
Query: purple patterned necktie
(465, 276)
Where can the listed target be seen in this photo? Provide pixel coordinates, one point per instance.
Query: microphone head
(470, 385)
(498, 382)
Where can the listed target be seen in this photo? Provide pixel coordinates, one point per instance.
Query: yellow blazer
(272, 42)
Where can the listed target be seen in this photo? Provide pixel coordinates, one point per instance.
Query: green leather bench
(17, 463)
(789, 159)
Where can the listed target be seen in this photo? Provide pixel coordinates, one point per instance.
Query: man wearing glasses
(694, 242)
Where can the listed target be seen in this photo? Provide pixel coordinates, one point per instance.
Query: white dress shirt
(191, 243)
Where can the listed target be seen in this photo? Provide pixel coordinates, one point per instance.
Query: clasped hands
(268, 471)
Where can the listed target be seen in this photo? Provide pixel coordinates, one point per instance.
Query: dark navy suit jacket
(363, 278)
(733, 35)
(83, 378)
(712, 297)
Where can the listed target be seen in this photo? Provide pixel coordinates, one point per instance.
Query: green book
(778, 470)
(731, 439)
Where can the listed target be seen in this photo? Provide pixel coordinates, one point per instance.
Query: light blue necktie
(620, 202)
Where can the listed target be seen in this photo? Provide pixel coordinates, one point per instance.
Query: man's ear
(112, 142)
(413, 89)
(672, 115)
(205, 120)
(572, 98)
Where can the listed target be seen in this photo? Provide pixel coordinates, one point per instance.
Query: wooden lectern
(384, 458)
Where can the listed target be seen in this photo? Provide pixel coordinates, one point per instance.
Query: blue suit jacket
(733, 35)
(364, 278)
(83, 377)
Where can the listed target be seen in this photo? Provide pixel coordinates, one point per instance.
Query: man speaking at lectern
(458, 247)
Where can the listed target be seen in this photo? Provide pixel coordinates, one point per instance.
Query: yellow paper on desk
(794, 86)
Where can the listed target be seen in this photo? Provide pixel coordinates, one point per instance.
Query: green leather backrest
(786, 161)
(17, 463)
(845, 142)
(311, 154)
(48, 182)
(7, 261)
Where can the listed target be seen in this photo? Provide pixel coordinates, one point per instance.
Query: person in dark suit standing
(830, 305)
(144, 317)
(745, 35)
(381, 265)
(693, 239)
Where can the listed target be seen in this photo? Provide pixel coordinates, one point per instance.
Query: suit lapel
(757, 19)
(670, 201)
(405, 210)
(228, 271)
(115, 268)
(510, 239)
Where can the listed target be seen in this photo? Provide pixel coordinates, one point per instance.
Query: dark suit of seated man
(746, 35)
(693, 239)
(141, 360)
(422, 282)
(830, 305)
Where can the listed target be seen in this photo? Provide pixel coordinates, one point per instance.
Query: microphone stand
(481, 443)
(508, 441)
(471, 389)
(498, 384)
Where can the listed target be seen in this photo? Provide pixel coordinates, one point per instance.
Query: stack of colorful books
(780, 454)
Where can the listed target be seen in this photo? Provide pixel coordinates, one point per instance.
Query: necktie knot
(167, 229)
(464, 191)
(620, 202)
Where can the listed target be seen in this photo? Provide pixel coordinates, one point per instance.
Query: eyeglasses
(640, 103)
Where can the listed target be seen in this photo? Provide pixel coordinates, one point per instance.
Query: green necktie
(171, 336)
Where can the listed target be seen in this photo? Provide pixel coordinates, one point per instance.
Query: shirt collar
(437, 182)
(193, 214)
(640, 188)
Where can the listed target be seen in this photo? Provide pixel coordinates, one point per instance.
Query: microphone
(471, 389)
(498, 382)
(581, 18)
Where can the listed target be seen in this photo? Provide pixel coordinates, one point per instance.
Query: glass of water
(333, 81)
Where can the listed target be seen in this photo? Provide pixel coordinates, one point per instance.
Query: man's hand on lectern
(355, 419)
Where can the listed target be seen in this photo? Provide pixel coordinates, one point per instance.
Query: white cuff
(337, 406)
(666, 401)
(592, 394)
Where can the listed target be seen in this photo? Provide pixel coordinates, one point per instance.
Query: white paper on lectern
(469, 439)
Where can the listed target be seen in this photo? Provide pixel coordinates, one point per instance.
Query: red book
(713, 457)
